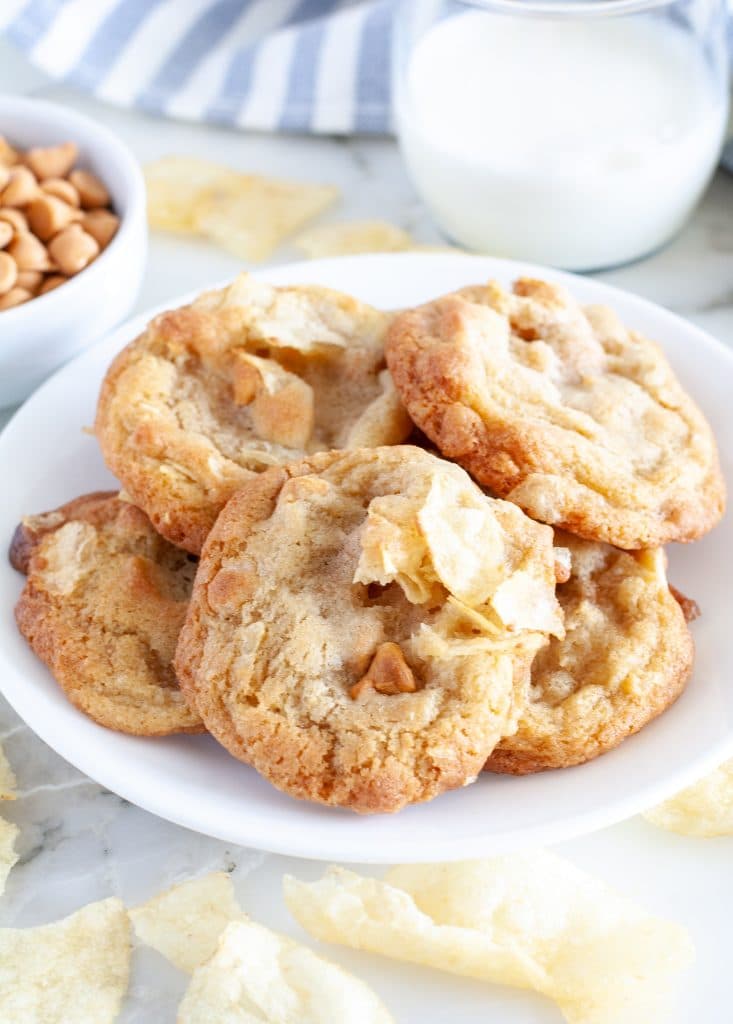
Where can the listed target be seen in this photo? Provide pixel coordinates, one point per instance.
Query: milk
(577, 143)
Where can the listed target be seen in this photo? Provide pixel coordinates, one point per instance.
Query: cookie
(245, 378)
(102, 606)
(357, 624)
(561, 409)
(625, 657)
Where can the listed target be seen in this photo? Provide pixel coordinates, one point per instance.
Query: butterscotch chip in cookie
(625, 657)
(362, 625)
(103, 605)
(243, 379)
(563, 410)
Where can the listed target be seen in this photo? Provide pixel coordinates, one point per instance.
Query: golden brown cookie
(103, 605)
(356, 625)
(245, 378)
(625, 657)
(561, 409)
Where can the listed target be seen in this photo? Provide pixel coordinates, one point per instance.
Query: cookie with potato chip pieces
(102, 606)
(561, 409)
(625, 657)
(360, 622)
(245, 378)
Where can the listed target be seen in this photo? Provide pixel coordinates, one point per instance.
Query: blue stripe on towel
(298, 109)
(208, 30)
(373, 87)
(109, 41)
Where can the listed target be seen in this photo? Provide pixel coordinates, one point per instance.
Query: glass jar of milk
(579, 134)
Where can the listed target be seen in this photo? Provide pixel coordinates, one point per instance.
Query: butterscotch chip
(102, 225)
(92, 192)
(16, 219)
(103, 604)
(388, 673)
(48, 215)
(21, 188)
(72, 249)
(561, 409)
(52, 161)
(15, 297)
(8, 273)
(366, 661)
(625, 657)
(8, 154)
(29, 253)
(51, 282)
(61, 189)
(245, 378)
(30, 280)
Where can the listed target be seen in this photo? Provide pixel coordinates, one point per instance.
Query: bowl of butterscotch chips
(72, 238)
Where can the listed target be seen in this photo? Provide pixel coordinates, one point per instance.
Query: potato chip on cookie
(103, 605)
(625, 657)
(561, 409)
(245, 378)
(362, 625)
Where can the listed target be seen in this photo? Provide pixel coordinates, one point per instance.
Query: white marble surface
(79, 842)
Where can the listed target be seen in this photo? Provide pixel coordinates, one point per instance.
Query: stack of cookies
(375, 554)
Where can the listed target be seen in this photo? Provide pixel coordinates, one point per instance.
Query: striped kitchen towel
(289, 65)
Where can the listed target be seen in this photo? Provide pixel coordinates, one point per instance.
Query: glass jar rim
(568, 8)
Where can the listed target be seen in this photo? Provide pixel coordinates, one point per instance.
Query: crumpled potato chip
(483, 551)
(253, 215)
(259, 977)
(184, 923)
(353, 237)
(175, 184)
(74, 970)
(392, 548)
(7, 778)
(247, 214)
(463, 539)
(703, 809)
(533, 921)
(8, 856)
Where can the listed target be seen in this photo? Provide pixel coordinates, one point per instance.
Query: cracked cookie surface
(104, 601)
(245, 378)
(625, 657)
(362, 624)
(561, 409)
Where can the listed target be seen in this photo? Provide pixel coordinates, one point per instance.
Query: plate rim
(151, 799)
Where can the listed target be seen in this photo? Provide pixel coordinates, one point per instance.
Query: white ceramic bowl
(40, 335)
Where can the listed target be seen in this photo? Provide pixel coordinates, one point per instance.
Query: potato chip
(464, 539)
(7, 778)
(446, 533)
(349, 239)
(392, 548)
(74, 970)
(175, 184)
(251, 216)
(184, 923)
(8, 856)
(705, 809)
(259, 977)
(246, 214)
(533, 921)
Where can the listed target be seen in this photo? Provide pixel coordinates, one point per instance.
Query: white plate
(46, 458)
